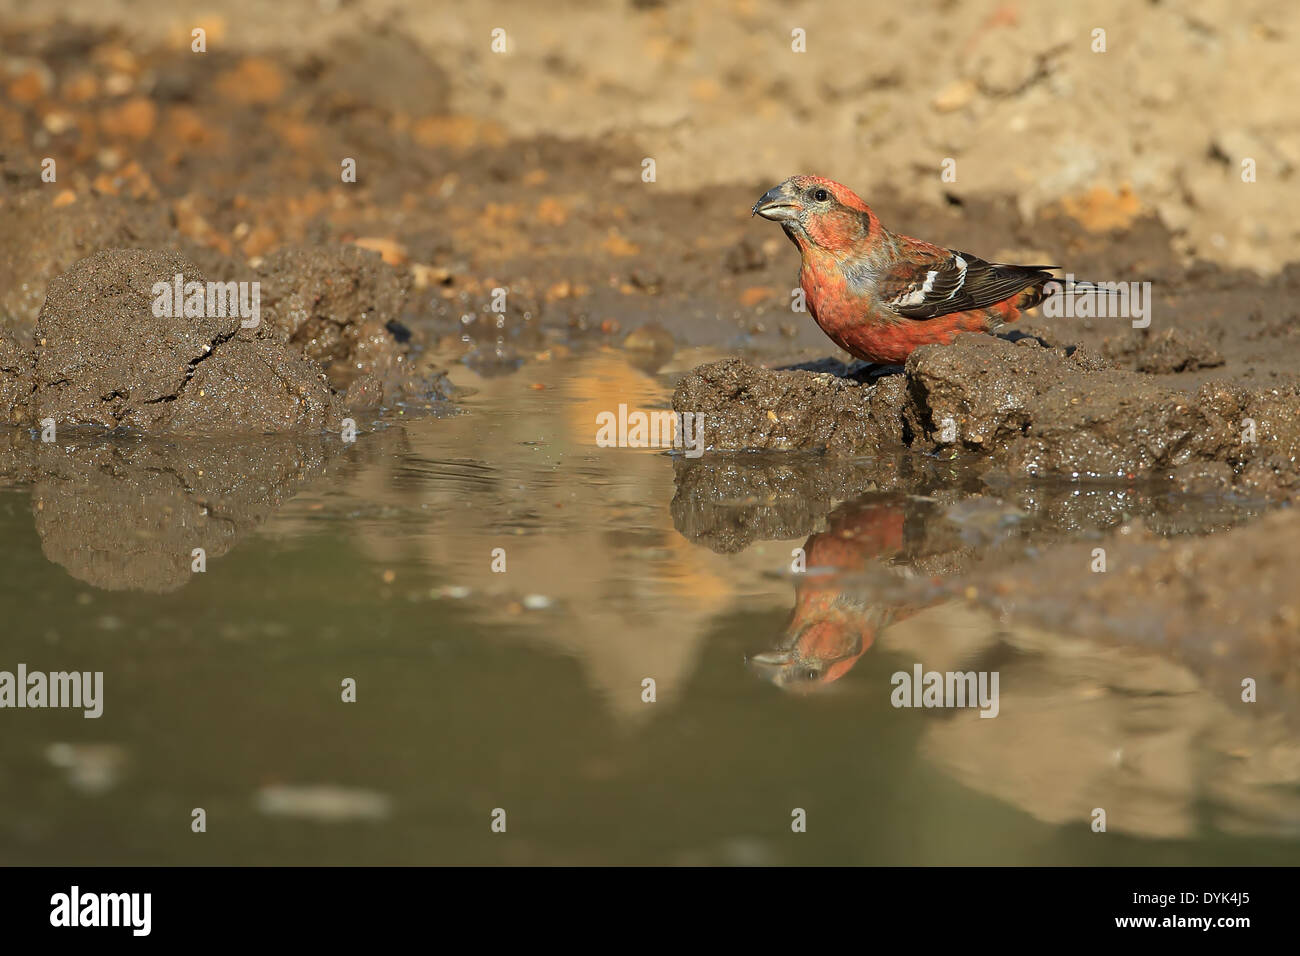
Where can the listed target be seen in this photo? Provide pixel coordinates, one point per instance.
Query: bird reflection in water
(857, 583)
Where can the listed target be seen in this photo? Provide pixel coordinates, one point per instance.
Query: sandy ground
(715, 93)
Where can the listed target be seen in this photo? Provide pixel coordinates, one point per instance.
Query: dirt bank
(107, 352)
(464, 185)
(1021, 408)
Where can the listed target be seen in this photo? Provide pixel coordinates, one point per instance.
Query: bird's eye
(811, 675)
(821, 195)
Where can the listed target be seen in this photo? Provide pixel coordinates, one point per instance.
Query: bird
(880, 295)
(841, 601)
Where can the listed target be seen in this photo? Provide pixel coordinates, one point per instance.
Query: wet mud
(115, 347)
(1020, 408)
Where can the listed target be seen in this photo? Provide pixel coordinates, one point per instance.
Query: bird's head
(818, 213)
(816, 653)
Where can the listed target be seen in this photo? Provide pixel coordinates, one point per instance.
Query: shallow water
(522, 691)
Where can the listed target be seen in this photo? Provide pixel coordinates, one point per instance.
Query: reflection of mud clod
(127, 515)
(728, 504)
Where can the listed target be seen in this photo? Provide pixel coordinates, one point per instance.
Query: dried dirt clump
(102, 357)
(338, 305)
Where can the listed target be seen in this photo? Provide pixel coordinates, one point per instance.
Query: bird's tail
(1044, 284)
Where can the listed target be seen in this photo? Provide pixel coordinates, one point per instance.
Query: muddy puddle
(500, 588)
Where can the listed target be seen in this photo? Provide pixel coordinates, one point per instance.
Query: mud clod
(747, 255)
(15, 379)
(1043, 412)
(1024, 411)
(335, 305)
(747, 408)
(103, 358)
(1167, 352)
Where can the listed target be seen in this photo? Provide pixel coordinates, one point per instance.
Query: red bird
(839, 610)
(879, 295)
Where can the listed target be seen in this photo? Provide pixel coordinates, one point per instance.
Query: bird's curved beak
(778, 204)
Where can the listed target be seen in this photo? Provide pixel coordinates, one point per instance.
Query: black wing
(950, 281)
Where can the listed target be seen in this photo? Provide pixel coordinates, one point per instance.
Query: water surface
(523, 691)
